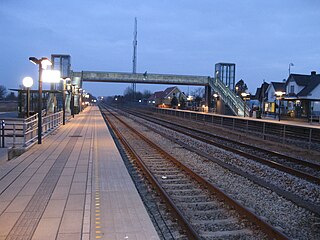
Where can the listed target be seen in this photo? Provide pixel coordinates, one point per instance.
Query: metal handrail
(236, 104)
(23, 132)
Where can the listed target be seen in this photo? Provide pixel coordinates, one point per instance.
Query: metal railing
(302, 136)
(236, 104)
(21, 133)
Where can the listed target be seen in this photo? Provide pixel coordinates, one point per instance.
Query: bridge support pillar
(208, 94)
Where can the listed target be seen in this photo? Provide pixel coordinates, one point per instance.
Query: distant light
(27, 82)
(94, 100)
(279, 93)
(116, 99)
(51, 76)
(45, 62)
(203, 106)
(215, 95)
(140, 100)
(244, 94)
(153, 101)
(179, 104)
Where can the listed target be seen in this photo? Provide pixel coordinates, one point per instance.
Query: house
(271, 101)
(164, 98)
(303, 95)
(260, 95)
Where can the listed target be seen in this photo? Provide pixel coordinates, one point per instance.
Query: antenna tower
(134, 58)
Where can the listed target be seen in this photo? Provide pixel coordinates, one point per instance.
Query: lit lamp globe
(27, 82)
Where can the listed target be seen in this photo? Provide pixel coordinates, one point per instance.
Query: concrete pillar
(208, 94)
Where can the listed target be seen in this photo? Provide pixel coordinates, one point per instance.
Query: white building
(303, 94)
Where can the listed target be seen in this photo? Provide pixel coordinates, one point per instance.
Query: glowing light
(27, 82)
(51, 76)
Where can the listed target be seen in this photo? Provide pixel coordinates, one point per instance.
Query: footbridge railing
(236, 104)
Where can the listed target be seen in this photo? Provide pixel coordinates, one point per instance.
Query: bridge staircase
(229, 97)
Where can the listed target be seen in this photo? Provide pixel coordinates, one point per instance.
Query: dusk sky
(176, 37)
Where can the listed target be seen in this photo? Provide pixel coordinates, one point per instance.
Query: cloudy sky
(181, 36)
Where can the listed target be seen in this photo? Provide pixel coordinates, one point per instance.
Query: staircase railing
(235, 103)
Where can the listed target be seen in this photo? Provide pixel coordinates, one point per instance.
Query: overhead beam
(89, 76)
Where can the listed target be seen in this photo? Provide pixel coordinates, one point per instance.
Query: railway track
(286, 191)
(205, 211)
(297, 167)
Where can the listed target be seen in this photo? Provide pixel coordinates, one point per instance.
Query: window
(292, 89)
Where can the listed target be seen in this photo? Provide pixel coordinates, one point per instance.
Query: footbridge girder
(228, 96)
(148, 78)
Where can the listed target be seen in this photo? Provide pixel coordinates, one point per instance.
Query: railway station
(105, 170)
(211, 133)
(78, 184)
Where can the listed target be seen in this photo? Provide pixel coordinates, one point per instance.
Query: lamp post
(290, 65)
(28, 82)
(279, 95)
(64, 80)
(43, 63)
(244, 97)
(73, 87)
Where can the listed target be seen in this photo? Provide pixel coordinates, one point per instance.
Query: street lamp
(245, 98)
(290, 65)
(43, 63)
(28, 82)
(279, 95)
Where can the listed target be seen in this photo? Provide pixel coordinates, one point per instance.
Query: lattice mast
(134, 58)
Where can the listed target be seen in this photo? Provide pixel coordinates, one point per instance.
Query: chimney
(313, 73)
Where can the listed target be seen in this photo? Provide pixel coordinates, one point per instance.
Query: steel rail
(269, 163)
(190, 231)
(288, 195)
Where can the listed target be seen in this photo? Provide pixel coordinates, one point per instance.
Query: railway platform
(72, 186)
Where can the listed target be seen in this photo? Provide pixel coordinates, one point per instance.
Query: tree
(3, 92)
(128, 94)
(240, 87)
(182, 103)
(146, 94)
(174, 101)
(11, 97)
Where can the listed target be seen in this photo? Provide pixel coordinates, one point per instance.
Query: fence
(275, 131)
(21, 133)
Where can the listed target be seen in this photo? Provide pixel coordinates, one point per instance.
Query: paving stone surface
(72, 186)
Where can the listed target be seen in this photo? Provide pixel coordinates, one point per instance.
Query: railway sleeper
(199, 207)
(199, 199)
(235, 234)
(210, 226)
(168, 181)
(181, 186)
(186, 192)
(210, 214)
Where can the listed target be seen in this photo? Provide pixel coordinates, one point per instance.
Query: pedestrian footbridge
(236, 104)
